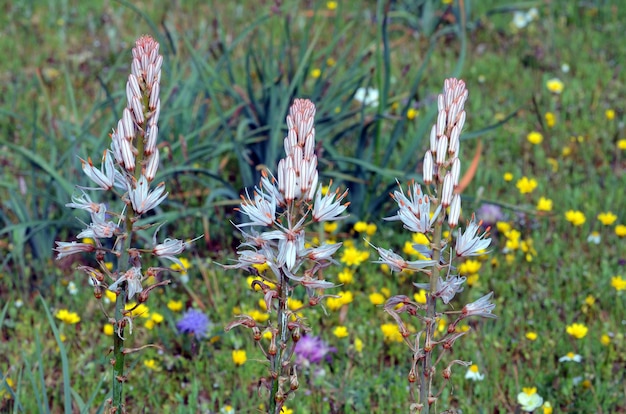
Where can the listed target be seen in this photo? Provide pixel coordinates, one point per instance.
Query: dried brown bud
(97, 292)
(256, 333)
(447, 373)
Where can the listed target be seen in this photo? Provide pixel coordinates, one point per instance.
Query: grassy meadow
(543, 159)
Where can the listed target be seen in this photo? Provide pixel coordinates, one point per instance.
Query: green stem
(431, 310)
(277, 363)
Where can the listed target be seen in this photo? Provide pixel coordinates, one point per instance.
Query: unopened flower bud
(448, 190)
(428, 168)
(456, 171)
(432, 400)
(433, 139)
(295, 335)
(442, 150)
(455, 211)
(412, 375)
(453, 145)
(447, 373)
(256, 333)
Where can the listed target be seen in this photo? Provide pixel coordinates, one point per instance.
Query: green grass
(61, 93)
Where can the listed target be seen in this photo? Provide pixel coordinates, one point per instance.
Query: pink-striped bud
(455, 211)
(429, 168)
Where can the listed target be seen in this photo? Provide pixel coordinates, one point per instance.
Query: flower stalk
(274, 248)
(428, 214)
(128, 169)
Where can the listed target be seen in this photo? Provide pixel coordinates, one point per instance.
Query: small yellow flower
(346, 276)
(544, 204)
(151, 364)
(609, 114)
(577, 330)
(186, 265)
(340, 331)
(554, 85)
(420, 297)
(472, 280)
(620, 230)
(360, 226)
(391, 332)
(316, 73)
(547, 408)
(138, 310)
(352, 256)
(370, 230)
(535, 138)
(566, 151)
(331, 5)
(503, 226)
(175, 305)
(261, 268)
(3, 391)
(258, 316)
(70, 318)
(411, 114)
(358, 345)
(286, 410)
(508, 176)
(526, 185)
(607, 218)
(577, 218)
(377, 298)
(111, 296)
(618, 283)
(108, 329)
(88, 240)
(621, 144)
(239, 357)
(605, 340)
(330, 62)
(469, 267)
(550, 119)
(531, 336)
(330, 226)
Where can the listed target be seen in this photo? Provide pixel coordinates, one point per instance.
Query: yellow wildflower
(420, 297)
(508, 176)
(544, 204)
(358, 345)
(330, 226)
(577, 330)
(331, 5)
(620, 230)
(340, 331)
(534, 138)
(607, 218)
(554, 85)
(550, 119)
(531, 336)
(577, 218)
(526, 185)
(377, 298)
(618, 283)
(175, 305)
(346, 276)
(108, 329)
(70, 318)
(239, 357)
(391, 332)
(621, 144)
(609, 114)
(411, 114)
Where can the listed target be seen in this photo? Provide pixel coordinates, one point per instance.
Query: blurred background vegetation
(231, 70)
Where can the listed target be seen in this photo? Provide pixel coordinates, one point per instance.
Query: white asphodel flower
(133, 279)
(474, 374)
(367, 96)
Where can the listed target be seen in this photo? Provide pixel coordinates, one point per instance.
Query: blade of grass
(67, 395)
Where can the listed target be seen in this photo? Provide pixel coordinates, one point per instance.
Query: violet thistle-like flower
(194, 322)
(311, 349)
(281, 208)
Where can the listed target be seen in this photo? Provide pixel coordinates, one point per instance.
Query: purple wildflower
(489, 214)
(312, 350)
(194, 322)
